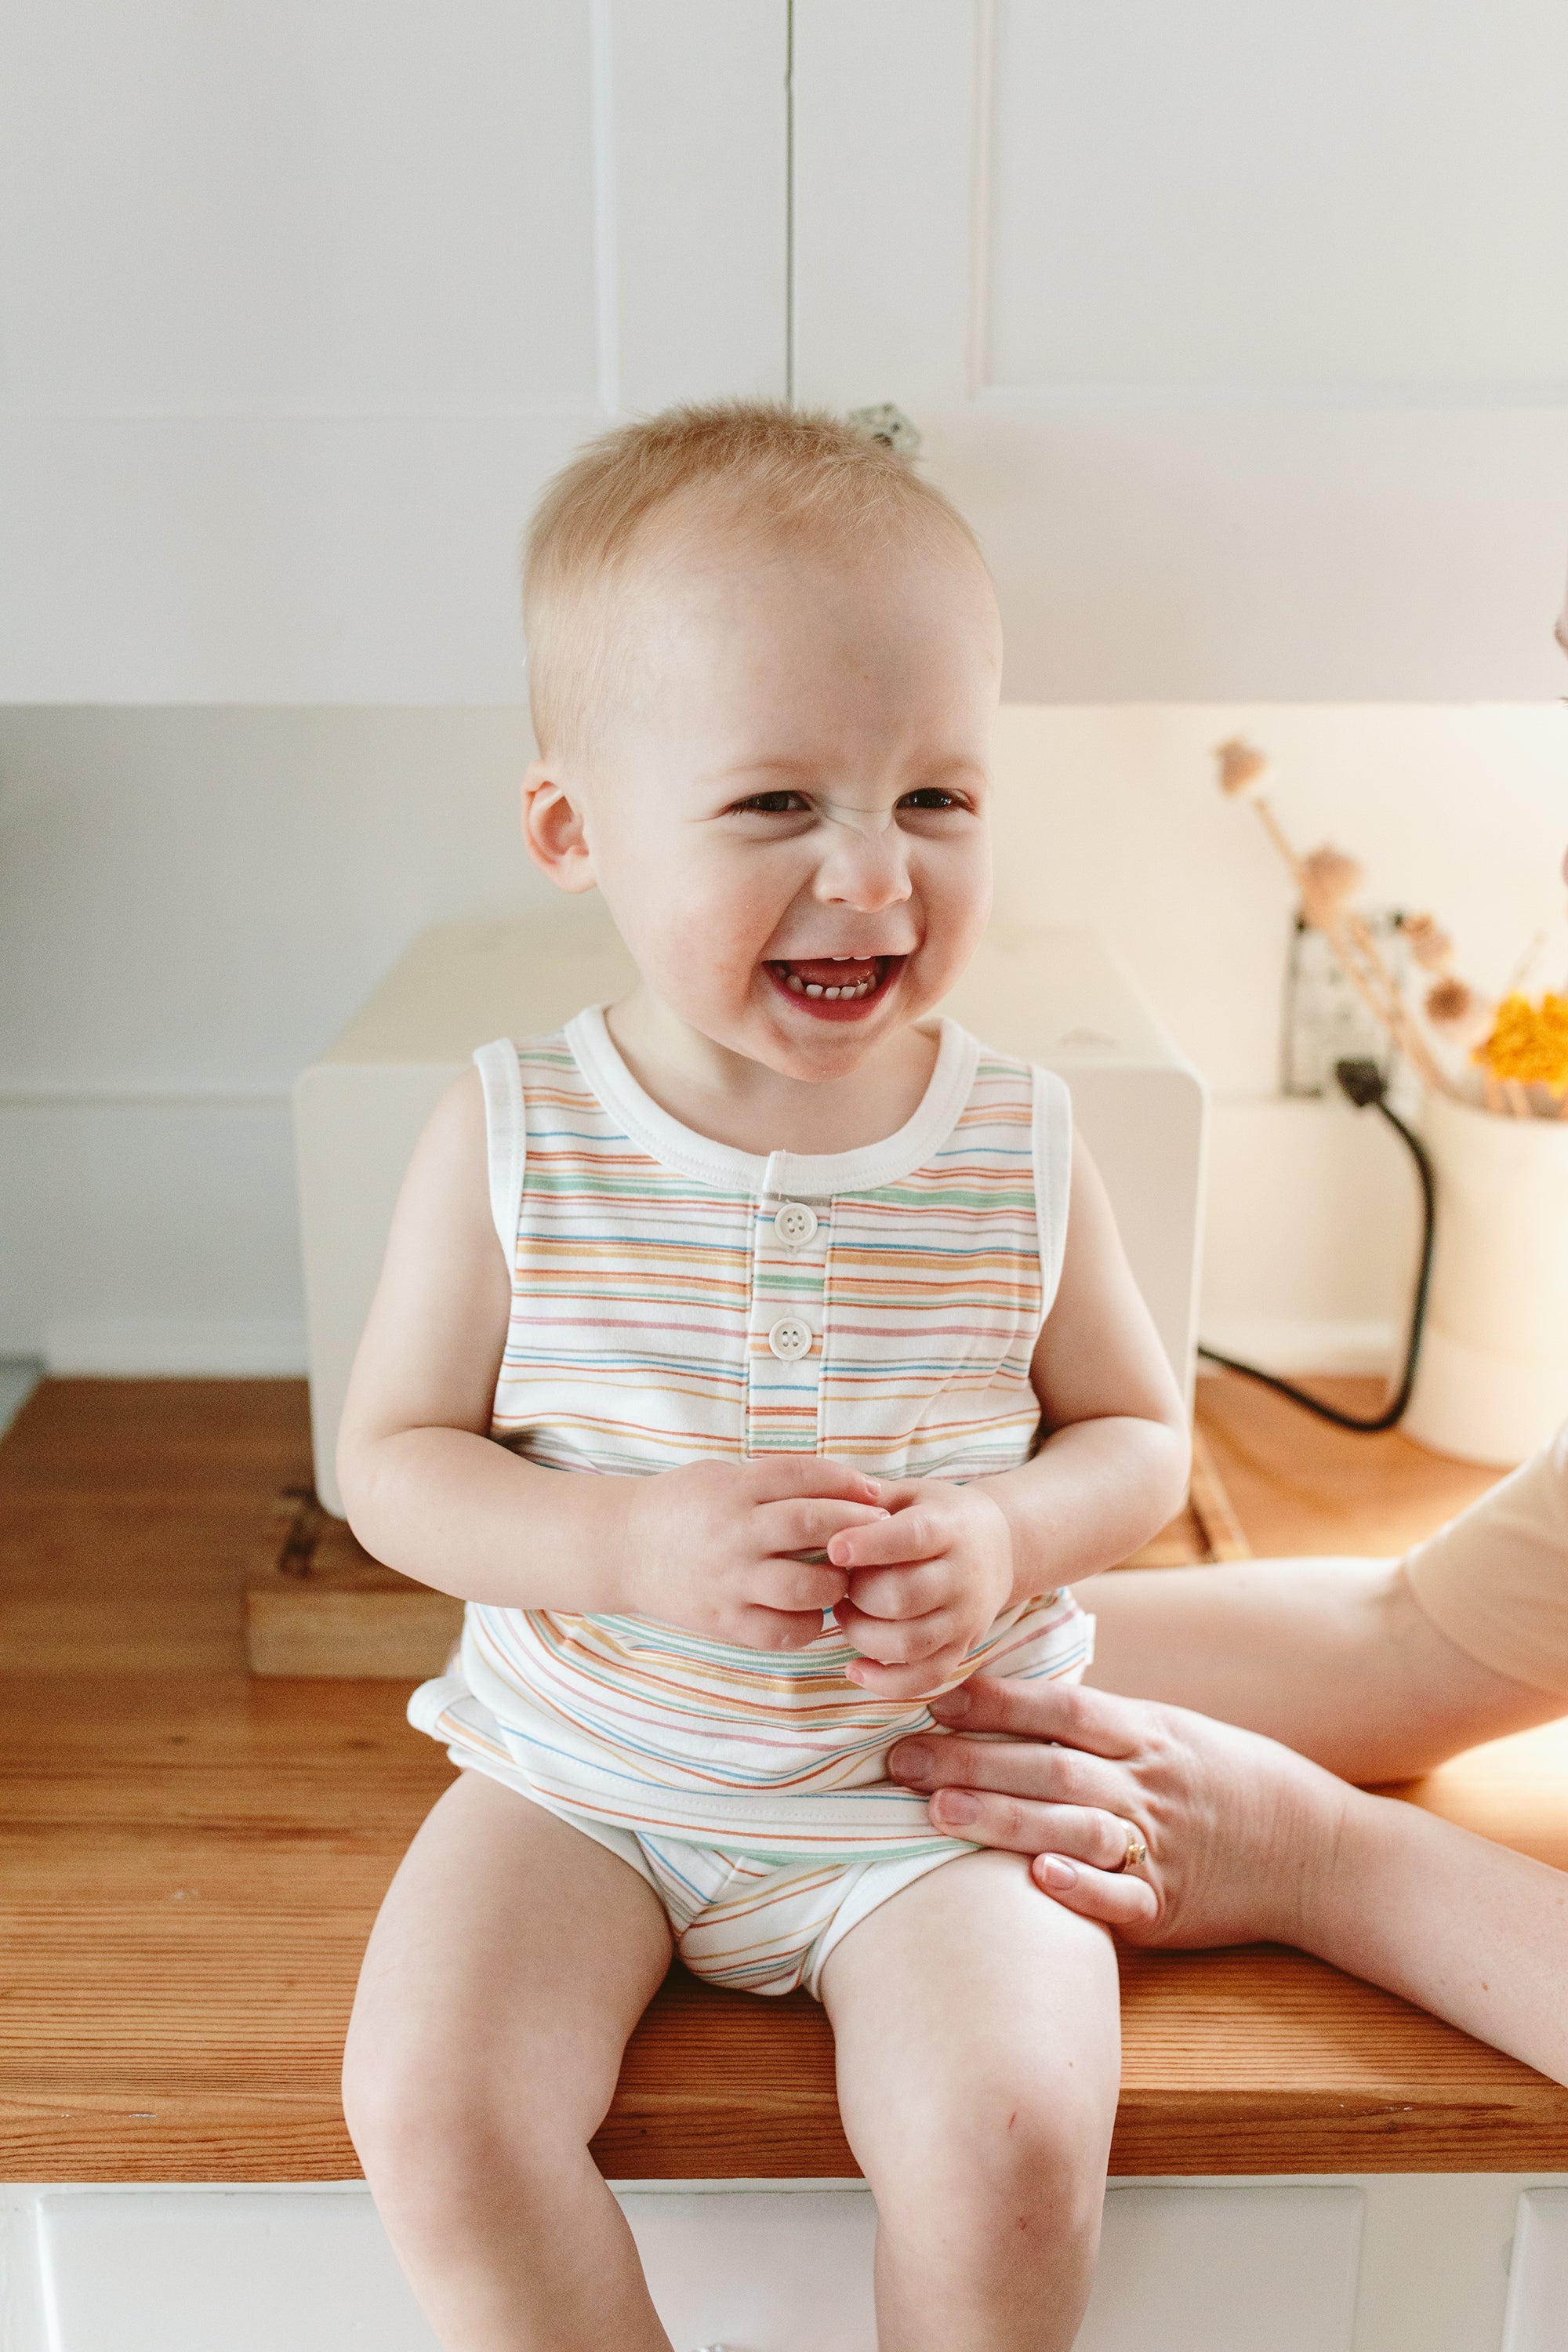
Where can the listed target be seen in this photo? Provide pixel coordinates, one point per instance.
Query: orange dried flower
(1529, 1042)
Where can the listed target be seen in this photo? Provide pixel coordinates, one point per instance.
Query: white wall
(193, 902)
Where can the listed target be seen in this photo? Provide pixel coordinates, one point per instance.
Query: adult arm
(1335, 1657)
(1248, 1842)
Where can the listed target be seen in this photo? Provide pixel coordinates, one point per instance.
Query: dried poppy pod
(1455, 1008)
(1329, 881)
(1428, 942)
(1241, 769)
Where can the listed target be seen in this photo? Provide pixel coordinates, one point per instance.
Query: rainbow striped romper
(673, 1299)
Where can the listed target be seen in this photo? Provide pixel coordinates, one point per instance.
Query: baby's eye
(930, 799)
(781, 803)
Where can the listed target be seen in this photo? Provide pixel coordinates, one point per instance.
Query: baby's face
(786, 804)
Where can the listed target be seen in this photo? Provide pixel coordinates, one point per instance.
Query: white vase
(1492, 1383)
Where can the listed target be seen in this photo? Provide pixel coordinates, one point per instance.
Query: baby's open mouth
(835, 988)
(834, 977)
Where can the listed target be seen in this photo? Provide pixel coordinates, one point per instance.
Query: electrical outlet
(1325, 1020)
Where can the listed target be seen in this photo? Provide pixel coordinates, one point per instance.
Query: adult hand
(1237, 1827)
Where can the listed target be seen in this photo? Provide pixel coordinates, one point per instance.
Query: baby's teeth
(836, 992)
(814, 988)
(793, 980)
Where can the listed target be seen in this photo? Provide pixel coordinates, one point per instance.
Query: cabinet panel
(1238, 334)
(301, 303)
(1537, 2277)
(1320, 193)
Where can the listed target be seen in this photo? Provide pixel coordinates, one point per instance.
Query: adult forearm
(1333, 1656)
(1093, 1492)
(1471, 1931)
(465, 1515)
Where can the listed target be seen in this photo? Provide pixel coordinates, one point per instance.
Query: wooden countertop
(191, 1861)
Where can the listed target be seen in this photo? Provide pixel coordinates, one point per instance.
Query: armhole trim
(1052, 1177)
(506, 1137)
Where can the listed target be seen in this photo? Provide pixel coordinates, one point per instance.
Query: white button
(794, 1224)
(790, 1337)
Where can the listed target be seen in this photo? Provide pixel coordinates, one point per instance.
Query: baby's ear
(552, 830)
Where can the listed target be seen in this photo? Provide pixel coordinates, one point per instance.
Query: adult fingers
(808, 1522)
(1017, 1767)
(902, 1643)
(1064, 1711)
(1122, 1899)
(1016, 1825)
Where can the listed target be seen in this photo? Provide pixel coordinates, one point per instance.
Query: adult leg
(979, 2054)
(509, 1961)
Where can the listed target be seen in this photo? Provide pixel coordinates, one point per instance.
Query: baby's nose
(866, 870)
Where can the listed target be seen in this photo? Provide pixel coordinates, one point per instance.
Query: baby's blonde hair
(785, 472)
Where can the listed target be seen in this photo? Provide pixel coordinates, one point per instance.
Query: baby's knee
(434, 2138)
(1021, 2177)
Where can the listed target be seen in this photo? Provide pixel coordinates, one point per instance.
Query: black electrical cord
(1363, 1083)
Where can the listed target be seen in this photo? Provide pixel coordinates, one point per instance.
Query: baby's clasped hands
(924, 1584)
(713, 1545)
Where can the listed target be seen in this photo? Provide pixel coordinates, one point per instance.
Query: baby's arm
(924, 1586)
(1114, 1467)
(428, 1490)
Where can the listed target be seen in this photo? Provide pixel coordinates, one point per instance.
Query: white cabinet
(302, 302)
(1239, 331)
(1380, 2262)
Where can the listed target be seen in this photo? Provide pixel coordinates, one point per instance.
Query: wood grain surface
(191, 1861)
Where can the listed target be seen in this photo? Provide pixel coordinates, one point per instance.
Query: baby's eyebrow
(958, 765)
(759, 768)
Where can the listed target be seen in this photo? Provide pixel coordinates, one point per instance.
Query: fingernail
(911, 1761)
(835, 1555)
(956, 1805)
(1053, 1872)
(951, 1706)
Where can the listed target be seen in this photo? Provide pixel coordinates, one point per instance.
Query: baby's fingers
(899, 1641)
(898, 1536)
(810, 1522)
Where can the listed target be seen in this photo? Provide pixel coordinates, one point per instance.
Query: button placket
(784, 1354)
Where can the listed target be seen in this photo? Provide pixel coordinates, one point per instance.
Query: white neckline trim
(819, 1174)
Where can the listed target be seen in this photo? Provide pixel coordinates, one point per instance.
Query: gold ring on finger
(1136, 1855)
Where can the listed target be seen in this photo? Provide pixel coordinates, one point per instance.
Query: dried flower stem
(1394, 1012)
(1364, 966)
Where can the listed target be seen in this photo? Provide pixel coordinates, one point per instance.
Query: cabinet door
(300, 301)
(1240, 333)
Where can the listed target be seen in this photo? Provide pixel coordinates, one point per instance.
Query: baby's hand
(711, 1545)
(924, 1585)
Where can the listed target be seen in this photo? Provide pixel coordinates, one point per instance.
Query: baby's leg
(510, 1959)
(978, 2041)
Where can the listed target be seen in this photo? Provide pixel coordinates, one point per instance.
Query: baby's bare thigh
(511, 1958)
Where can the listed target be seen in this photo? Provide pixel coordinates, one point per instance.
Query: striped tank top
(674, 1299)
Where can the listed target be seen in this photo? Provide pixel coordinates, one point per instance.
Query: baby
(737, 1359)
